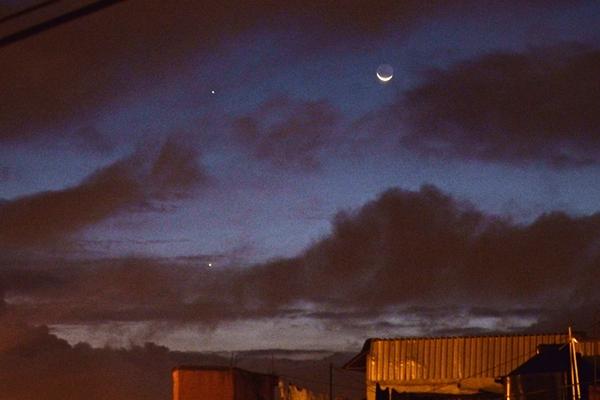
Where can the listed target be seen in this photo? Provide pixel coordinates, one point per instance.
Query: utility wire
(28, 10)
(56, 21)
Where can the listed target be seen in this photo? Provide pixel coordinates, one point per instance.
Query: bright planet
(385, 73)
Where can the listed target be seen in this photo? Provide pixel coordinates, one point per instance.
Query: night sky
(233, 176)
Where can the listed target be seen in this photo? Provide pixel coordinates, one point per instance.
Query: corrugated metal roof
(589, 348)
(410, 360)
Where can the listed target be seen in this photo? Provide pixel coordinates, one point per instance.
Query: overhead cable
(56, 21)
(28, 10)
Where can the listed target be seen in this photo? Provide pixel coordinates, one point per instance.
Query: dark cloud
(427, 249)
(175, 170)
(539, 105)
(89, 140)
(36, 364)
(288, 133)
(6, 174)
(135, 181)
(124, 289)
(422, 255)
(16, 279)
(81, 69)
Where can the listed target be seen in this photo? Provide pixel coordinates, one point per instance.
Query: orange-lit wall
(191, 384)
(201, 383)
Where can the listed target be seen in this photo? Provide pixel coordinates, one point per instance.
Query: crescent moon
(384, 78)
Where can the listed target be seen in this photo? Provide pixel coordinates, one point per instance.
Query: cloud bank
(538, 105)
(135, 181)
(419, 255)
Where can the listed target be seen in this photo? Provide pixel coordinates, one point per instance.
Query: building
(547, 376)
(221, 383)
(469, 367)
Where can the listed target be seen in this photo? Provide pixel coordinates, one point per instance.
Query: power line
(56, 21)
(28, 10)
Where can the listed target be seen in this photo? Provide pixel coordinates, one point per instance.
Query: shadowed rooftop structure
(450, 365)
